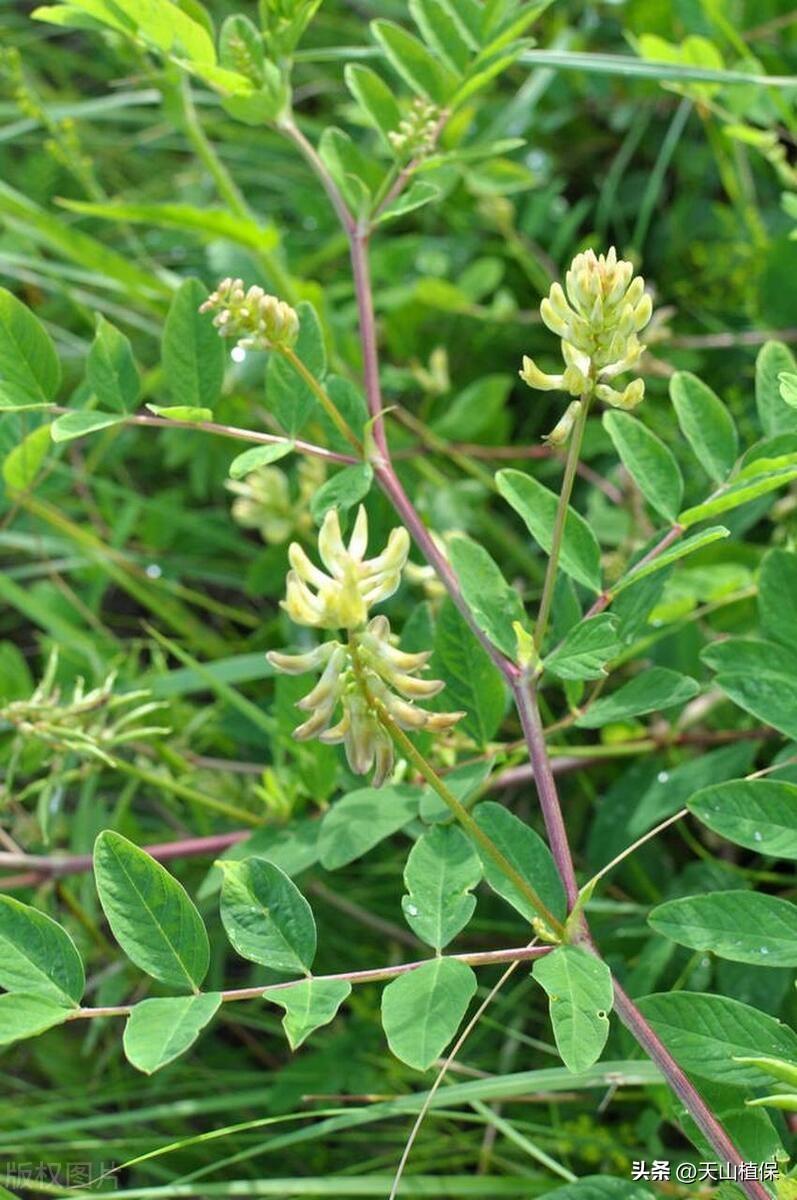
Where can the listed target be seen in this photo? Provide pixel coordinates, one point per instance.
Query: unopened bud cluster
(255, 319)
(417, 132)
(598, 315)
(264, 500)
(368, 672)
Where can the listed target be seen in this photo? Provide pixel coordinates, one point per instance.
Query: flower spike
(598, 315)
(369, 670)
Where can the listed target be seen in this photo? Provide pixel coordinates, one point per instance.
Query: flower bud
(255, 319)
(597, 315)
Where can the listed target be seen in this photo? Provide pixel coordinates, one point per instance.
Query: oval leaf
(706, 424)
(537, 505)
(24, 1015)
(527, 852)
(422, 1010)
(150, 913)
(579, 988)
(192, 351)
(158, 1031)
(441, 870)
(706, 1033)
(493, 603)
(258, 456)
(652, 691)
(266, 917)
(748, 927)
(760, 814)
(29, 365)
(38, 955)
(648, 461)
(362, 820)
(78, 424)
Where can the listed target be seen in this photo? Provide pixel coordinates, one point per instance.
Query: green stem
(559, 524)
(323, 397)
(227, 188)
(427, 771)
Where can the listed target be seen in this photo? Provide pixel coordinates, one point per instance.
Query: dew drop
(153, 571)
(757, 836)
(412, 911)
(764, 950)
(238, 354)
(663, 776)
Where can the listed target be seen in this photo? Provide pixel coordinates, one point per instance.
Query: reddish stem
(54, 866)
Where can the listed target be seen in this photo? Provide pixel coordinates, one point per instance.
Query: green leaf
(192, 351)
(681, 549)
(266, 917)
(211, 223)
(537, 505)
(181, 412)
(24, 1015)
(258, 456)
(775, 414)
(21, 466)
(150, 913)
(416, 65)
(735, 655)
(493, 603)
(744, 490)
(38, 955)
(473, 683)
(653, 690)
(648, 461)
(443, 32)
(308, 1005)
(288, 396)
(362, 820)
(342, 491)
(374, 98)
(422, 1010)
(28, 362)
(441, 871)
(111, 370)
(760, 814)
(527, 852)
(77, 424)
(158, 1031)
(579, 987)
(241, 47)
(788, 388)
(706, 424)
(777, 596)
(586, 649)
(705, 1033)
(419, 192)
(748, 927)
(769, 694)
(476, 411)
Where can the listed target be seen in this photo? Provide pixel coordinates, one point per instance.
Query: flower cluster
(369, 673)
(417, 132)
(263, 500)
(598, 315)
(255, 319)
